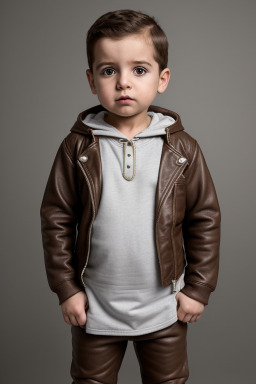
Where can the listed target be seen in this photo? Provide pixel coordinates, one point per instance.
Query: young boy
(130, 216)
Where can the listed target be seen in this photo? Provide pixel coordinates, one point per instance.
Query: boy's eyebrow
(134, 62)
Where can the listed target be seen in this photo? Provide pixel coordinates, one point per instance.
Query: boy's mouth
(125, 98)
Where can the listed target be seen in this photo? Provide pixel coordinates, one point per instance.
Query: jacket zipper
(93, 207)
(174, 281)
(173, 247)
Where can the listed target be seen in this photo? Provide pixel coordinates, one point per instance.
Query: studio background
(44, 87)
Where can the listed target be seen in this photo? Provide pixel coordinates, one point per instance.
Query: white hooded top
(122, 277)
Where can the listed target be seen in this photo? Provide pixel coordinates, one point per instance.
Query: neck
(129, 126)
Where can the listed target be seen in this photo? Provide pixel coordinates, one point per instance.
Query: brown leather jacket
(187, 212)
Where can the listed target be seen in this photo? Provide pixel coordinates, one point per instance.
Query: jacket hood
(100, 127)
(165, 121)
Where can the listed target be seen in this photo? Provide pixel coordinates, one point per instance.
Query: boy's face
(121, 76)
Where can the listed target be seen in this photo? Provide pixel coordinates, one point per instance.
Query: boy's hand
(188, 310)
(73, 309)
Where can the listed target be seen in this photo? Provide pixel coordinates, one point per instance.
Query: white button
(181, 160)
(83, 158)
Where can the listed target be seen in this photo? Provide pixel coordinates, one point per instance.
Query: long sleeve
(59, 215)
(201, 231)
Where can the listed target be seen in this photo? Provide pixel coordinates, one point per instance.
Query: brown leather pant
(162, 356)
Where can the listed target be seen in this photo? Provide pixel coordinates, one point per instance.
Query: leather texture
(187, 213)
(162, 356)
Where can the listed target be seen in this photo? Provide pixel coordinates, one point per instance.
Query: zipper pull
(174, 285)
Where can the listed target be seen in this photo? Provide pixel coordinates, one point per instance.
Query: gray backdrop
(43, 59)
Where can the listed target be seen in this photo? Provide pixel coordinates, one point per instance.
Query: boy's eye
(139, 70)
(106, 71)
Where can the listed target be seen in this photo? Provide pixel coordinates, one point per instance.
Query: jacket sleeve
(59, 212)
(201, 231)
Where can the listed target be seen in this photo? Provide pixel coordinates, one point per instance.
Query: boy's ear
(164, 79)
(90, 78)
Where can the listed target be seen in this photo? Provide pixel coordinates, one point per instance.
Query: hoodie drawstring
(125, 141)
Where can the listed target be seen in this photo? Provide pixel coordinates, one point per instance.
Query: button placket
(129, 152)
(129, 160)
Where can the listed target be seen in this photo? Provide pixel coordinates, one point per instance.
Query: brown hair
(120, 23)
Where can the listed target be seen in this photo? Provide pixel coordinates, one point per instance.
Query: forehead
(129, 48)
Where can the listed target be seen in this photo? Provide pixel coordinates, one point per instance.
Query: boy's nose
(123, 81)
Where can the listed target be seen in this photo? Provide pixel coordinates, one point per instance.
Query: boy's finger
(73, 320)
(67, 320)
(81, 319)
(181, 314)
(187, 318)
(193, 318)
